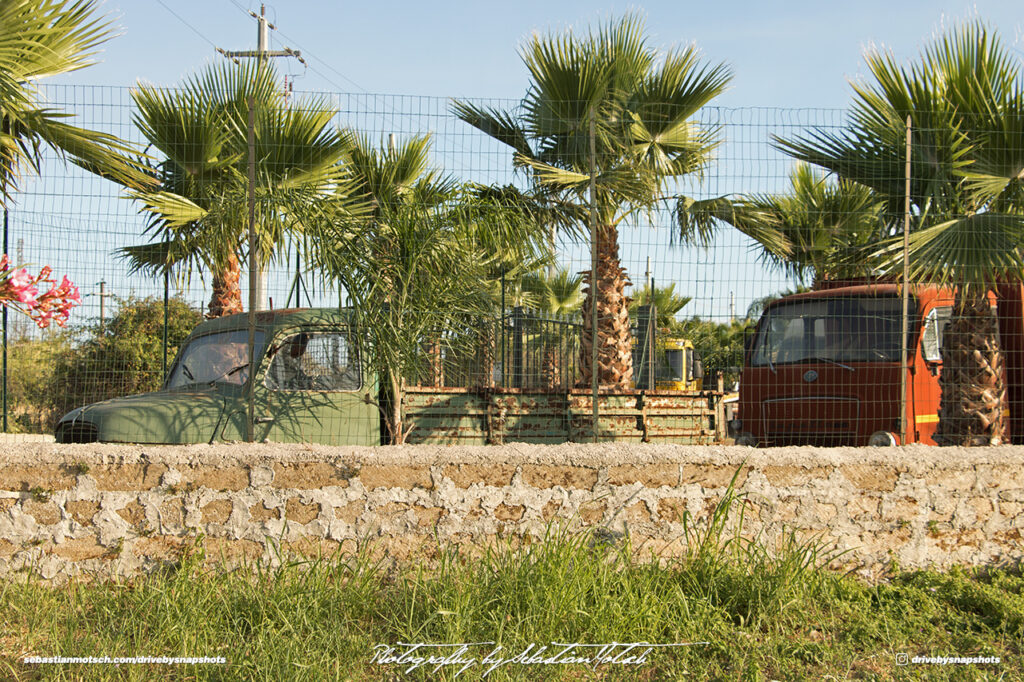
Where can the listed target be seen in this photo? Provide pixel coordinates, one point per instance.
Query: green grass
(779, 616)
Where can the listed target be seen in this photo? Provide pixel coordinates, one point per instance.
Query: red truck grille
(826, 421)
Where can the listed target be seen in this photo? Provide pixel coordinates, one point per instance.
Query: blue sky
(792, 54)
(795, 55)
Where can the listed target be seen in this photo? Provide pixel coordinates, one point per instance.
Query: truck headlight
(882, 439)
(746, 438)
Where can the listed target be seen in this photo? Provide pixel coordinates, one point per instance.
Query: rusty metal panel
(531, 417)
(445, 417)
(463, 416)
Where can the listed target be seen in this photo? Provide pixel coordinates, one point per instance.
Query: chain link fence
(452, 276)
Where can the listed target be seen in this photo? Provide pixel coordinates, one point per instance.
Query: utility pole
(262, 53)
(103, 302)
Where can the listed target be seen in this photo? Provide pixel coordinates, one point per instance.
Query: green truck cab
(311, 386)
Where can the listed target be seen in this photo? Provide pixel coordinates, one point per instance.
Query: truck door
(314, 390)
(927, 363)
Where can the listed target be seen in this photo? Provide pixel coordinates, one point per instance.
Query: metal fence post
(167, 288)
(593, 272)
(906, 297)
(517, 346)
(6, 235)
(250, 421)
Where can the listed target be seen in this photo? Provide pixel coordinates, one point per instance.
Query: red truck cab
(823, 368)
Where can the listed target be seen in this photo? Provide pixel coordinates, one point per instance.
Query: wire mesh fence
(423, 275)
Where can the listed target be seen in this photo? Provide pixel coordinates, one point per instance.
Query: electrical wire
(182, 20)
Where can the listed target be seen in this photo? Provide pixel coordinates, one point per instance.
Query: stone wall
(99, 510)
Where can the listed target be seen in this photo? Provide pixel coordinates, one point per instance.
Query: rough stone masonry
(87, 511)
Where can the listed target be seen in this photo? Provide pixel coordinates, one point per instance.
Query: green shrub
(124, 356)
(30, 364)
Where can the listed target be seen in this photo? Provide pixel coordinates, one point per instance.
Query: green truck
(312, 386)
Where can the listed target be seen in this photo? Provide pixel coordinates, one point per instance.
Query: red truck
(823, 367)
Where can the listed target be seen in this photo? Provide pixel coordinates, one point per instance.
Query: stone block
(297, 511)
(309, 475)
(649, 476)
(714, 475)
(261, 512)
(465, 475)
(45, 513)
(551, 510)
(218, 511)
(133, 513)
(505, 512)
(217, 478)
(592, 512)
(44, 477)
(544, 476)
(405, 477)
(900, 508)
(350, 512)
(82, 511)
(871, 476)
(125, 477)
(671, 509)
(429, 516)
(80, 549)
(223, 550)
(159, 548)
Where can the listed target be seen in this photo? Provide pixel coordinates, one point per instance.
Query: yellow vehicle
(676, 366)
(679, 367)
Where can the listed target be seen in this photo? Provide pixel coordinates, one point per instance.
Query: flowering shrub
(22, 291)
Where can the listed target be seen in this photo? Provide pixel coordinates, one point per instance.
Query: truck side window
(931, 340)
(314, 361)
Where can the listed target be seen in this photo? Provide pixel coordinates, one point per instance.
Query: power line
(310, 55)
(386, 118)
(182, 20)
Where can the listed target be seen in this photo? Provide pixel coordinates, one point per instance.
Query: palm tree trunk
(485, 353)
(435, 358)
(973, 391)
(614, 339)
(552, 373)
(227, 292)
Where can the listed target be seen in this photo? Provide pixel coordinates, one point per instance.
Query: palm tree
(41, 38)
(638, 106)
(200, 131)
(417, 263)
(395, 179)
(826, 223)
(667, 303)
(965, 101)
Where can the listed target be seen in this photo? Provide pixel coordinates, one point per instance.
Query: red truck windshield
(853, 329)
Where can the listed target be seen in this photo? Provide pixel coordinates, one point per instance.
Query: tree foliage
(606, 124)
(39, 39)
(199, 215)
(121, 357)
(416, 262)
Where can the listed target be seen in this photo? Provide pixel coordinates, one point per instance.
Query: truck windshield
(215, 358)
(855, 329)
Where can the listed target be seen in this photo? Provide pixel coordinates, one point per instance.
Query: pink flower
(20, 289)
(19, 280)
(27, 295)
